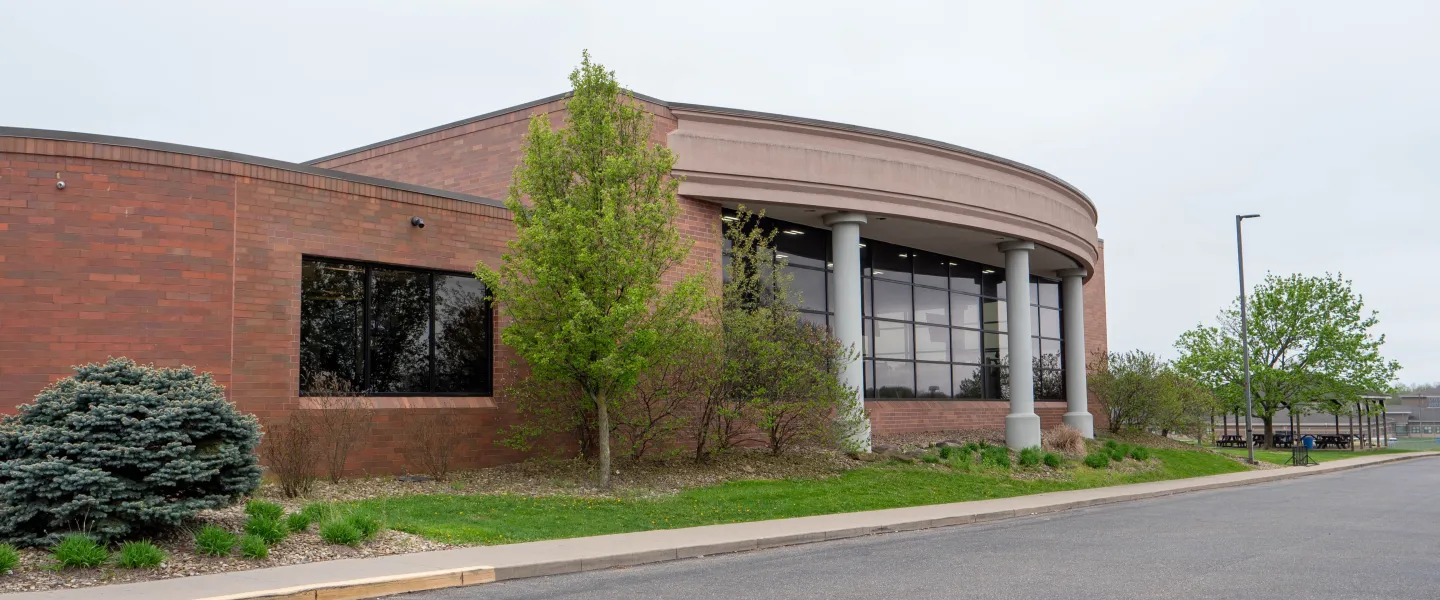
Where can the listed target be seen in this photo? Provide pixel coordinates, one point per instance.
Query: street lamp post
(1245, 338)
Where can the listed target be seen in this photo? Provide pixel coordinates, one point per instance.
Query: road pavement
(1365, 533)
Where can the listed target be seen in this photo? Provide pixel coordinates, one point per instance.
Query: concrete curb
(604, 552)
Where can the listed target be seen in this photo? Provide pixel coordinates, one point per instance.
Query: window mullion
(365, 333)
(433, 370)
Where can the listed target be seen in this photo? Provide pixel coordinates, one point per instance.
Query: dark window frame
(367, 311)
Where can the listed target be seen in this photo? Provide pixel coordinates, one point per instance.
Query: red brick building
(266, 272)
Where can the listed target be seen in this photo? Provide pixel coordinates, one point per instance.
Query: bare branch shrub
(431, 440)
(343, 420)
(292, 449)
(1064, 439)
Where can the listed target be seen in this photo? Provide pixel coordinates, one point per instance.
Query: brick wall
(1097, 340)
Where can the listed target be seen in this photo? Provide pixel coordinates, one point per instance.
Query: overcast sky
(1172, 116)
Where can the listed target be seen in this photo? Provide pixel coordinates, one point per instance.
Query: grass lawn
(1280, 456)
(1416, 443)
(502, 519)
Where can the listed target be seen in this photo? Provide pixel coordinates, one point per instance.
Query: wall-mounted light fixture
(417, 222)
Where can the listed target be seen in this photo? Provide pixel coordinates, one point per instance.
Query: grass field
(1416, 443)
(1280, 456)
(502, 519)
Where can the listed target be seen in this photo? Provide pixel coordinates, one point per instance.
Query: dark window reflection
(399, 331)
(332, 326)
(965, 277)
(932, 306)
(892, 301)
(462, 334)
(366, 329)
(807, 288)
(890, 262)
(968, 382)
(930, 269)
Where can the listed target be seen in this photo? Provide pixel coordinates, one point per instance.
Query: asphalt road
(1367, 533)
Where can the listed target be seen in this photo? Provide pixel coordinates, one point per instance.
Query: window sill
(409, 402)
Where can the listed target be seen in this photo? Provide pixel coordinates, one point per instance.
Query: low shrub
(1052, 460)
(9, 558)
(254, 547)
(76, 551)
(998, 456)
(367, 525)
(139, 555)
(214, 541)
(946, 452)
(273, 531)
(265, 510)
(930, 459)
(71, 455)
(340, 531)
(1118, 452)
(1111, 444)
(1063, 439)
(297, 522)
(1097, 460)
(318, 512)
(1140, 453)
(1030, 457)
(971, 447)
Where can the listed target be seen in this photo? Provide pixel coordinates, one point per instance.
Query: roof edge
(109, 140)
(740, 113)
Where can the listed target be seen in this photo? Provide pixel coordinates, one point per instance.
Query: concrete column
(1077, 393)
(1022, 425)
(849, 322)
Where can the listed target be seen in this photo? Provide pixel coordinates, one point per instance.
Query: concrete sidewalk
(370, 577)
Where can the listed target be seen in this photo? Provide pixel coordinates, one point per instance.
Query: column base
(1083, 421)
(1022, 430)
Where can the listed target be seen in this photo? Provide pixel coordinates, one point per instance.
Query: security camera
(417, 222)
(59, 185)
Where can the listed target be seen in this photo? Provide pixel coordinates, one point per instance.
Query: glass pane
(997, 383)
(992, 281)
(399, 331)
(462, 335)
(867, 302)
(816, 319)
(332, 324)
(1049, 356)
(894, 379)
(1050, 322)
(867, 334)
(892, 301)
(997, 348)
(893, 340)
(931, 306)
(1034, 291)
(966, 344)
(1049, 294)
(995, 314)
(807, 288)
(869, 379)
(932, 343)
(964, 276)
(800, 245)
(968, 382)
(1034, 320)
(965, 311)
(1049, 384)
(932, 380)
(930, 269)
(889, 261)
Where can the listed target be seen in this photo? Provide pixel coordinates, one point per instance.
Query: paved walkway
(1344, 536)
(530, 559)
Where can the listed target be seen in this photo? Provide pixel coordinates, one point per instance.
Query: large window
(382, 330)
(936, 327)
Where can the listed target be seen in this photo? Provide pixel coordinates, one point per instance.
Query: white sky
(1172, 116)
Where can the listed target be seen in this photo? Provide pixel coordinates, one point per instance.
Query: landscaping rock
(883, 448)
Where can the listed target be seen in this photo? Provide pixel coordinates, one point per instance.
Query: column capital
(1016, 245)
(844, 217)
(1077, 272)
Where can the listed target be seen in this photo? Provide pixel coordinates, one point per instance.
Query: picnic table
(1230, 441)
(1329, 440)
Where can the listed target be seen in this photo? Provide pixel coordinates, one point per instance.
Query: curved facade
(272, 274)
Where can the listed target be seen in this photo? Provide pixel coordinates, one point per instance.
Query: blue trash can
(1309, 442)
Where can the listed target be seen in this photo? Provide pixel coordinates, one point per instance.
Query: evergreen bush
(1097, 460)
(1030, 457)
(1140, 453)
(1052, 460)
(120, 449)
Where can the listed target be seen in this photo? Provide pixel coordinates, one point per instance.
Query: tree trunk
(1337, 423)
(1269, 432)
(602, 438)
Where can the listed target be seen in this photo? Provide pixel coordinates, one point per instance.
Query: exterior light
(904, 256)
(782, 256)
(417, 222)
(729, 218)
(831, 265)
(862, 245)
(794, 232)
(952, 264)
(879, 272)
(988, 271)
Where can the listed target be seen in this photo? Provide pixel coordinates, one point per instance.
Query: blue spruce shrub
(119, 450)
